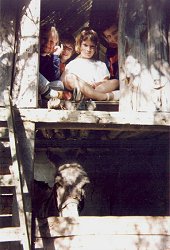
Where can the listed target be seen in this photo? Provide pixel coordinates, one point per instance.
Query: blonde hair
(44, 33)
(46, 29)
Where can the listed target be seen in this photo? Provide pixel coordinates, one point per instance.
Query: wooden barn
(123, 146)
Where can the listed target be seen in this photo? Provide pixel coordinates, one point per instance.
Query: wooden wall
(109, 233)
(143, 55)
(19, 51)
(7, 44)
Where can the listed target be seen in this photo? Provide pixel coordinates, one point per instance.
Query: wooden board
(143, 56)
(130, 121)
(100, 242)
(110, 233)
(7, 44)
(67, 226)
(97, 118)
(25, 84)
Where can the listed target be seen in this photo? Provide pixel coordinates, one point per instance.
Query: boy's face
(49, 43)
(68, 50)
(111, 35)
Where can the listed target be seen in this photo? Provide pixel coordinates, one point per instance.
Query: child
(86, 74)
(49, 53)
(109, 31)
(49, 84)
(68, 51)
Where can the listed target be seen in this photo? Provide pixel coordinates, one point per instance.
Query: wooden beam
(107, 242)
(129, 225)
(8, 10)
(110, 233)
(158, 121)
(117, 140)
(96, 118)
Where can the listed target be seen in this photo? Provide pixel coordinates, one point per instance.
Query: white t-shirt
(89, 70)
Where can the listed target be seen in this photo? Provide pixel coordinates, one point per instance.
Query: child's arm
(55, 68)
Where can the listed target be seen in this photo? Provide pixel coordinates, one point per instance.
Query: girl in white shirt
(86, 74)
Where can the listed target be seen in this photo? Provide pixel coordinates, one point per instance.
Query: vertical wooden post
(7, 44)
(143, 56)
(25, 90)
(27, 45)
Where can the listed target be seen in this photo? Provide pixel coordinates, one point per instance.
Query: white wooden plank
(10, 234)
(92, 117)
(105, 242)
(95, 117)
(130, 225)
(6, 180)
(109, 233)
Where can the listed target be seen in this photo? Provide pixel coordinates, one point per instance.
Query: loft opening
(71, 16)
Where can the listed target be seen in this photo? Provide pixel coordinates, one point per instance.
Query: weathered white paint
(110, 233)
(143, 56)
(25, 91)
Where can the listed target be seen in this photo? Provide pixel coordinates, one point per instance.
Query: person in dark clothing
(109, 31)
(50, 67)
(49, 53)
(50, 85)
(112, 62)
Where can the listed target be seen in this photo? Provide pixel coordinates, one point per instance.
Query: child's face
(111, 35)
(49, 43)
(68, 50)
(87, 49)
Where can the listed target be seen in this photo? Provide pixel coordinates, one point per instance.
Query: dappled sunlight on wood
(144, 57)
(120, 152)
(26, 61)
(149, 87)
(7, 41)
(104, 233)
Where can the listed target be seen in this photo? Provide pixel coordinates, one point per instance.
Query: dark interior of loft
(71, 15)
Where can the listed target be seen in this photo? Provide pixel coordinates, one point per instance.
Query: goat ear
(84, 182)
